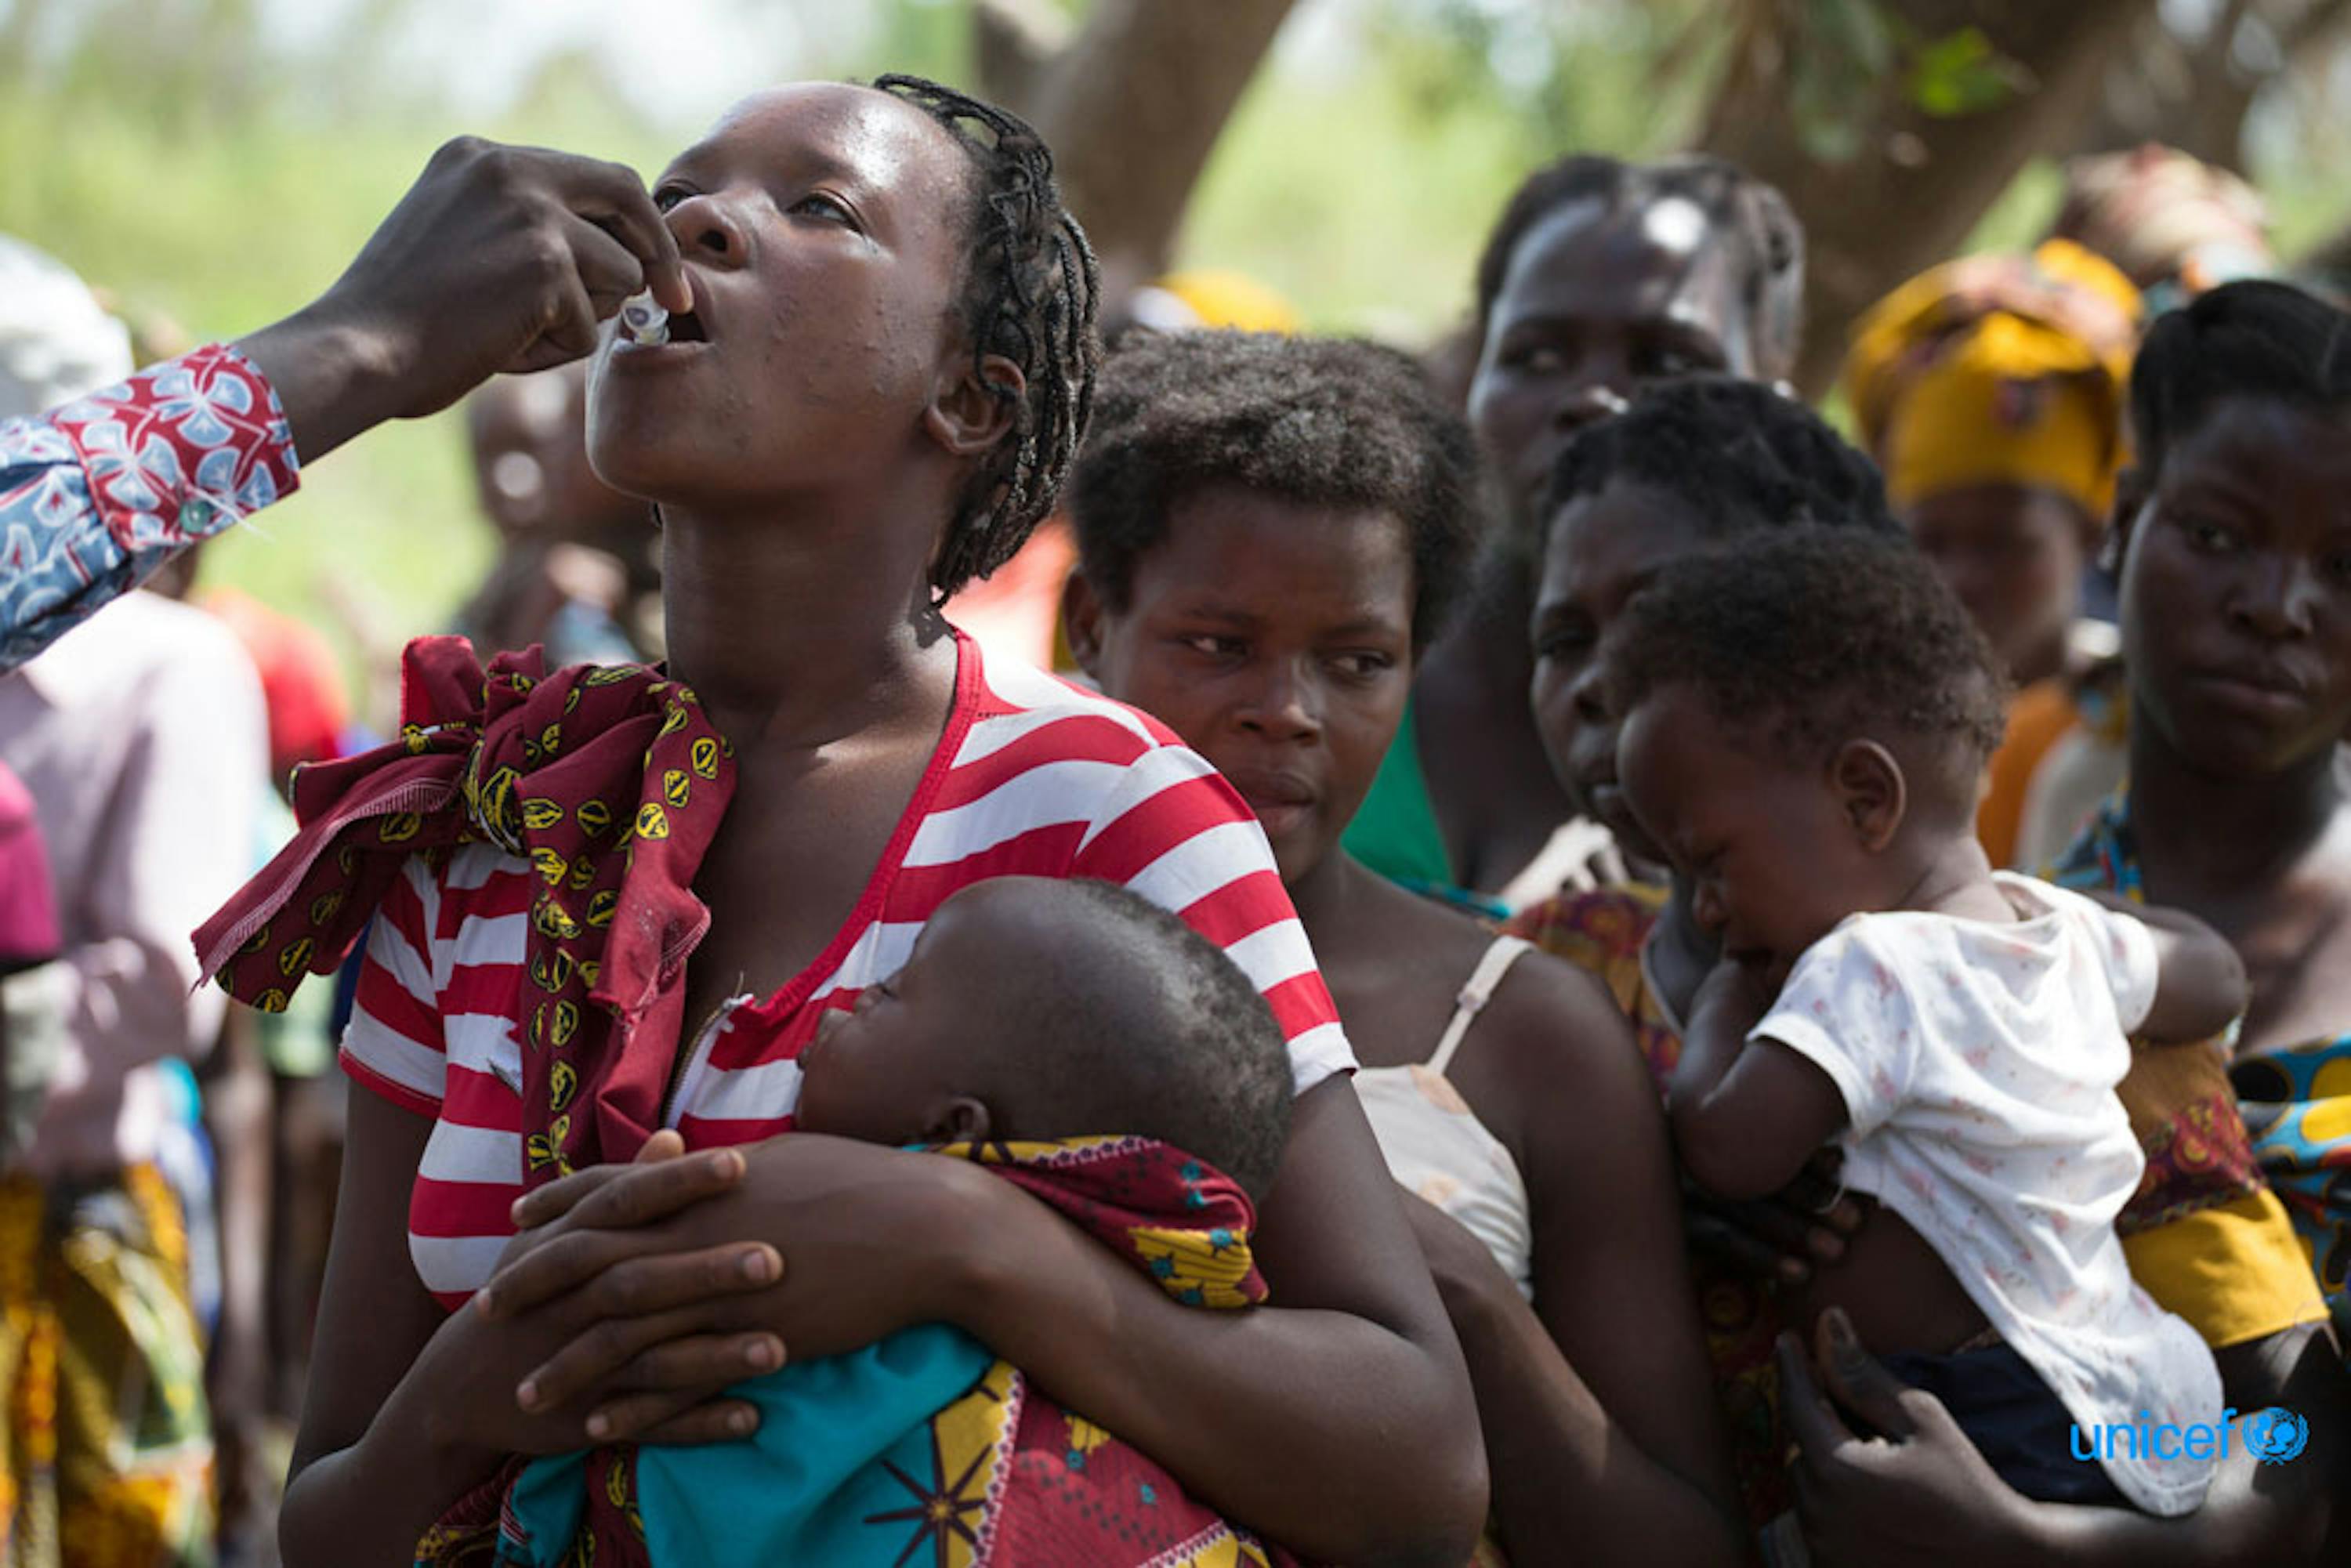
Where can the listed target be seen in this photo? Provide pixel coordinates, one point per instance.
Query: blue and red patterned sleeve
(100, 492)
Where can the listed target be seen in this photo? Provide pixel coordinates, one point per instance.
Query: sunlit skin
(1275, 638)
(820, 227)
(1595, 306)
(812, 256)
(808, 435)
(2015, 555)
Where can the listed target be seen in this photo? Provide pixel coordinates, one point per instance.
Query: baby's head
(1034, 1009)
(1807, 717)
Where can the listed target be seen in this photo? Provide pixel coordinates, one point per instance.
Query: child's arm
(1746, 1117)
(2199, 987)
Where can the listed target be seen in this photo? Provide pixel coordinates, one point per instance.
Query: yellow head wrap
(1220, 298)
(1999, 370)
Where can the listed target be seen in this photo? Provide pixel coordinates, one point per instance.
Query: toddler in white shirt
(1806, 716)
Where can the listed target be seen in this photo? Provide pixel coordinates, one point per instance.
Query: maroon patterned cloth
(609, 780)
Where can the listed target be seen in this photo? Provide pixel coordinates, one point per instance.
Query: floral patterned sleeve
(98, 493)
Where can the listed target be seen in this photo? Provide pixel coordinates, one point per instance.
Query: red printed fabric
(1032, 775)
(1043, 1486)
(100, 492)
(176, 452)
(608, 782)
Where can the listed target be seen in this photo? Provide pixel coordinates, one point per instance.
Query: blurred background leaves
(212, 164)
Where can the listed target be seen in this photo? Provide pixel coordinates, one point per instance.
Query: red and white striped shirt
(1033, 777)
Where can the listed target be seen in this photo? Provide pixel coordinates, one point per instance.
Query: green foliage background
(166, 150)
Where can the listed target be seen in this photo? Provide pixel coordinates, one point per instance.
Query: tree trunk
(1917, 186)
(1131, 104)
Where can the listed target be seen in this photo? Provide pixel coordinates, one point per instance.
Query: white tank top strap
(1475, 994)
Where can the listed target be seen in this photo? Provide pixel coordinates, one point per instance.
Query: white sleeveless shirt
(1437, 1147)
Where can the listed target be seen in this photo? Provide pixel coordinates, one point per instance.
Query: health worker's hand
(498, 258)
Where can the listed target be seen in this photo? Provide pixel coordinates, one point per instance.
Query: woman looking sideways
(1268, 531)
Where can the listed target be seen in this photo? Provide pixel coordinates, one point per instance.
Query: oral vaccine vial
(643, 321)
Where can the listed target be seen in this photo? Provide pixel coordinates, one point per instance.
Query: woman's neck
(797, 626)
(1327, 895)
(2232, 831)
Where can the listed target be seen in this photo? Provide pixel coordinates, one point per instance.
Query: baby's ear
(1871, 791)
(961, 1120)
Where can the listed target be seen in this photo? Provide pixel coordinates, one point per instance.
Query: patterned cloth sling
(925, 1447)
(609, 780)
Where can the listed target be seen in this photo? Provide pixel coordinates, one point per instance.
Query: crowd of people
(1576, 966)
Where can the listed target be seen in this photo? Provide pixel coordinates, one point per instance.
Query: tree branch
(1013, 42)
(1919, 183)
(1133, 106)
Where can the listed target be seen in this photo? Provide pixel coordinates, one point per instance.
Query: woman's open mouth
(644, 333)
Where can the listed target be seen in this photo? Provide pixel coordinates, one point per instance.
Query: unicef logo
(2276, 1435)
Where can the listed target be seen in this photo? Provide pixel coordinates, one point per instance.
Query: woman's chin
(647, 470)
(2235, 742)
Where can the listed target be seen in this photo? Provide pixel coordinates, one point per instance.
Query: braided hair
(1741, 210)
(1029, 288)
(1736, 452)
(2253, 339)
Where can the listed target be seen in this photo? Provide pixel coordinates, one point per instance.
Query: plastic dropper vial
(642, 320)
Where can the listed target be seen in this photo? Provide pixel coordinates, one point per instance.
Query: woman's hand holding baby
(667, 1329)
(667, 1266)
(1917, 1492)
(1804, 1227)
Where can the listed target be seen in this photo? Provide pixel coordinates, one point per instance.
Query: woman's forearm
(2239, 1523)
(371, 1503)
(1340, 1438)
(1569, 1484)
